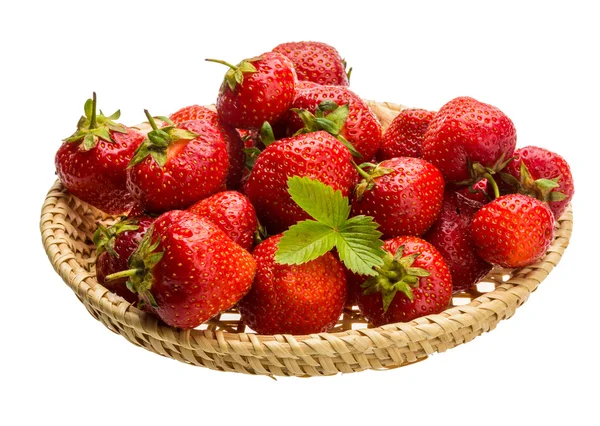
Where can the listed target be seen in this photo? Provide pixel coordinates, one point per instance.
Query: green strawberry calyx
(158, 141)
(141, 264)
(95, 126)
(478, 171)
(235, 74)
(543, 189)
(369, 173)
(266, 137)
(356, 238)
(397, 274)
(104, 238)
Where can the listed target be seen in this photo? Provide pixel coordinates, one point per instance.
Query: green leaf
(547, 184)
(89, 141)
(160, 157)
(102, 133)
(320, 201)
(359, 245)
(267, 137)
(251, 156)
(303, 242)
(88, 108)
(339, 116)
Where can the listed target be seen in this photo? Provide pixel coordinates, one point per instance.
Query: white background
(538, 62)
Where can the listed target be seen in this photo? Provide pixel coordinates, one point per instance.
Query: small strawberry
(316, 62)
(544, 175)
(232, 213)
(404, 195)
(451, 235)
(469, 140)
(256, 90)
(186, 270)
(91, 163)
(414, 281)
(176, 166)
(114, 245)
(293, 299)
(513, 231)
(404, 136)
(233, 139)
(318, 155)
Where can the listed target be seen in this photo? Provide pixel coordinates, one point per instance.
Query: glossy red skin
(233, 213)
(466, 130)
(197, 170)
(405, 134)
(233, 140)
(98, 176)
(451, 235)
(201, 273)
(432, 295)
(293, 299)
(316, 62)
(362, 128)
(125, 243)
(316, 155)
(263, 96)
(405, 201)
(513, 231)
(545, 164)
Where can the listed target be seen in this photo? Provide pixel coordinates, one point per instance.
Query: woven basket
(224, 343)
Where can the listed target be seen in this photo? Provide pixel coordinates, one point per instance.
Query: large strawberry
(542, 174)
(256, 90)
(233, 139)
(405, 134)
(318, 155)
(178, 165)
(186, 270)
(91, 163)
(513, 231)
(316, 62)
(293, 299)
(469, 140)
(114, 245)
(233, 213)
(404, 196)
(414, 281)
(451, 235)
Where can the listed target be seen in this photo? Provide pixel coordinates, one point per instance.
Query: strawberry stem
(361, 172)
(151, 120)
(219, 61)
(124, 274)
(93, 123)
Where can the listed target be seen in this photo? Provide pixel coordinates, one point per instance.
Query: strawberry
(404, 195)
(114, 245)
(544, 175)
(91, 163)
(404, 136)
(232, 213)
(469, 140)
(176, 166)
(481, 191)
(513, 231)
(186, 270)
(360, 127)
(233, 139)
(414, 281)
(293, 299)
(318, 155)
(316, 62)
(258, 89)
(451, 235)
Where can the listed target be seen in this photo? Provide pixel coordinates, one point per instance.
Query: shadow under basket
(225, 343)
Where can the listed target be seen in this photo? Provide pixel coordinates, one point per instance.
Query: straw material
(225, 343)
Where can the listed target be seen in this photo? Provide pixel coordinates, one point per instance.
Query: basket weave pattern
(225, 343)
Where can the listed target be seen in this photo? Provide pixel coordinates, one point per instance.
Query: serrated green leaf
(303, 242)
(320, 201)
(359, 246)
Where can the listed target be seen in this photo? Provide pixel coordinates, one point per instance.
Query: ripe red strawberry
(469, 140)
(513, 231)
(480, 191)
(293, 299)
(91, 163)
(547, 177)
(316, 62)
(361, 128)
(256, 90)
(232, 213)
(451, 235)
(178, 165)
(414, 281)
(317, 155)
(404, 196)
(114, 245)
(233, 139)
(186, 270)
(404, 136)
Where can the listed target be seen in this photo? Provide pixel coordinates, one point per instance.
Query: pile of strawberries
(289, 202)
